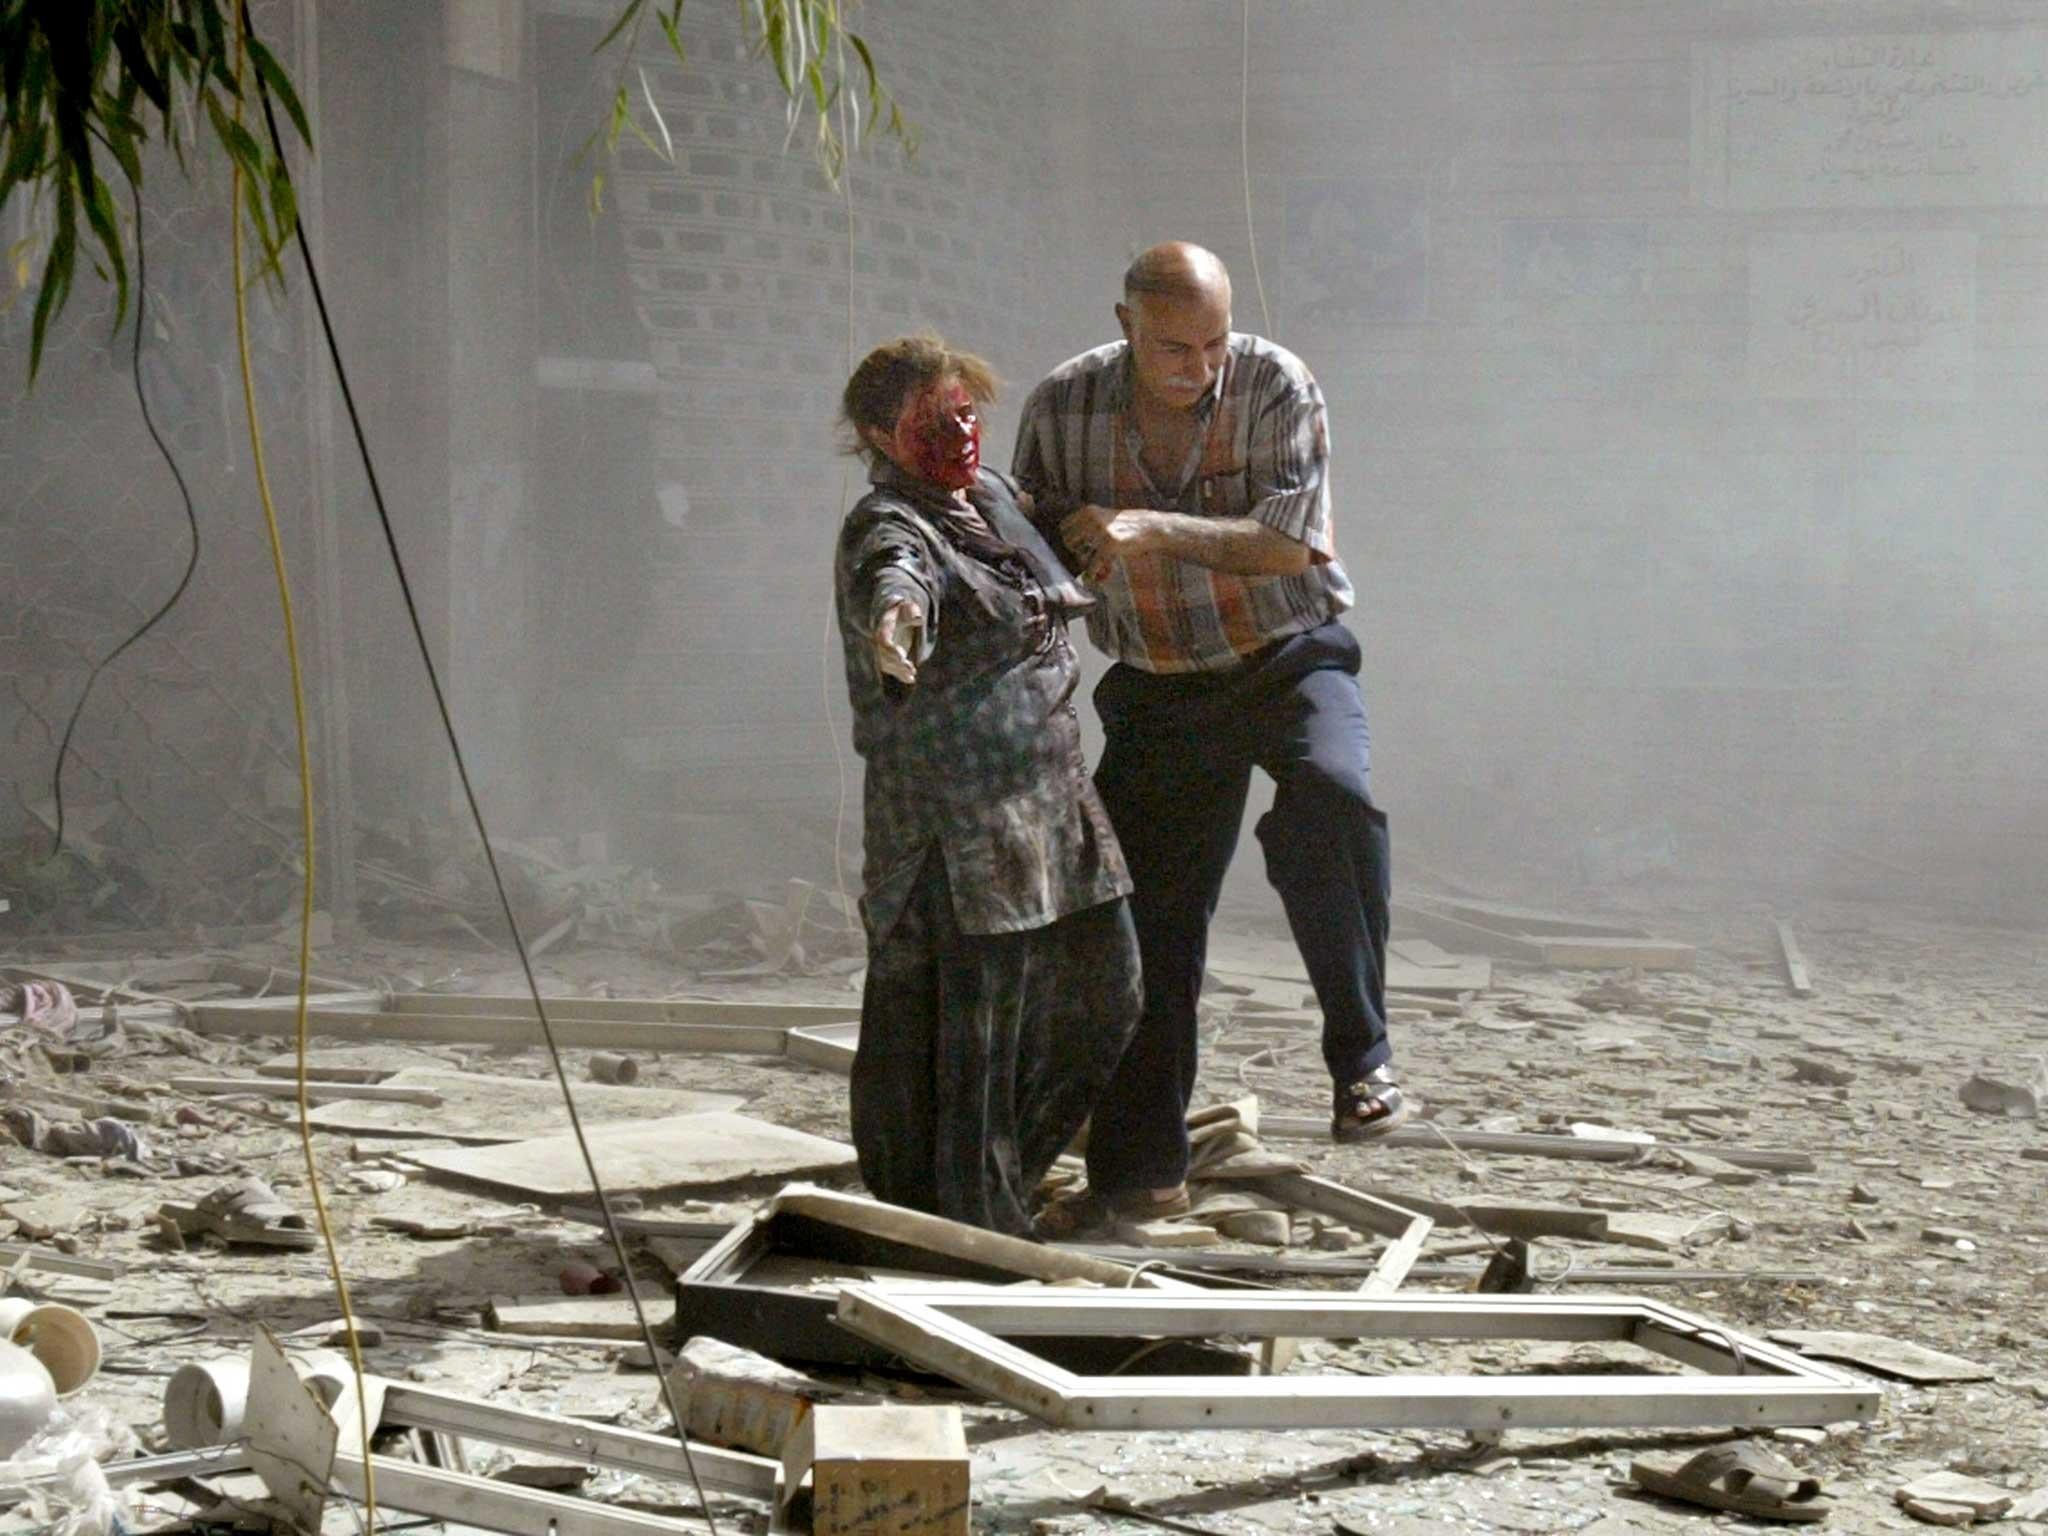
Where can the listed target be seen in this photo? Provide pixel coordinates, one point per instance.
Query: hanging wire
(1244, 149)
(303, 739)
(191, 522)
(461, 764)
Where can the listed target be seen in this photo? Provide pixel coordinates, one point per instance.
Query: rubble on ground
(1824, 1171)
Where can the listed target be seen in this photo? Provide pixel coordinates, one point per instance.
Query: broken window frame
(951, 1329)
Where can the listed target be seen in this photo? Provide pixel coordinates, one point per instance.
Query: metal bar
(212, 1461)
(1624, 1274)
(605, 1445)
(496, 1506)
(1027, 1311)
(1534, 1144)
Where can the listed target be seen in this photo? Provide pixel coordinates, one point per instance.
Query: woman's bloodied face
(938, 435)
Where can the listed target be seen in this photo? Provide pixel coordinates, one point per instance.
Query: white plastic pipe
(27, 1398)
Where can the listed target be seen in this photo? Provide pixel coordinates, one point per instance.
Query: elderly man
(1185, 470)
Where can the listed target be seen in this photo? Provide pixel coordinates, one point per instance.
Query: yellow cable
(291, 648)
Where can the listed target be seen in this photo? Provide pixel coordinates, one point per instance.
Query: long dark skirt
(981, 1055)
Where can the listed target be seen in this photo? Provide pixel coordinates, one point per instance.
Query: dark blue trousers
(1175, 771)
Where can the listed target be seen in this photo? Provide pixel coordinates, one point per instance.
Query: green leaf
(776, 39)
(617, 126)
(867, 63)
(669, 20)
(135, 58)
(99, 213)
(233, 136)
(24, 158)
(120, 139)
(284, 202)
(625, 17)
(270, 76)
(56, 277)
(213, 55)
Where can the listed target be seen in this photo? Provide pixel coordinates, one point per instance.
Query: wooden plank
(671, 1153)
(829, 1047)
(955, 1239)
(571, 1032)
(1469, 973)
(1325, 1197)
(49, 1261)
(478, 1108)
(353, 1063)
(1531, 922)
(1440, 1007)
(630, 1010)
(318, 1093)
(1795, 962)
(1587, 1149)
(1890, 1357)
(1604, 954)
(733, 1396)
(580, 1317)
(1397, 1263)
(1422, 952)
(1507, 1218)
(94, 981)
(1462, 937)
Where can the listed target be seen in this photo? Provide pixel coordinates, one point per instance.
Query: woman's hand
(896, 636)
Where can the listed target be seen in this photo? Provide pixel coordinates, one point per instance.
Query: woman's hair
(898, 369)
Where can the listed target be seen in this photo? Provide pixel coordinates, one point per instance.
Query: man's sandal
(1081, 1215)
(1369, 1108)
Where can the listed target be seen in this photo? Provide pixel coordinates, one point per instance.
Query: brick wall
(722, 704)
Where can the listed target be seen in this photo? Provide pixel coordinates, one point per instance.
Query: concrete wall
(1684, 361)
(1683, 355)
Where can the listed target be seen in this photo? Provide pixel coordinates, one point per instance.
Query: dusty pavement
(1924, 1221)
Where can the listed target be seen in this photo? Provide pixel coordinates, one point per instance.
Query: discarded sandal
(1369, 1108)
(1742, 1477)
(247, 1211)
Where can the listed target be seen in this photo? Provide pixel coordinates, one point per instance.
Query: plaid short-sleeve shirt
(1263, 452)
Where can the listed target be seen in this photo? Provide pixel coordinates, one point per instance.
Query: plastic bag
(67, 1492)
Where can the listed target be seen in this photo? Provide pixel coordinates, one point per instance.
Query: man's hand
(1101, 536)
(895, 637)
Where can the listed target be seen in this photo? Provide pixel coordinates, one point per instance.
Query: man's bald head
(1177, 269)
(1176, 316)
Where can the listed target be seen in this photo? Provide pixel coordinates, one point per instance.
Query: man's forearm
(1242, 546)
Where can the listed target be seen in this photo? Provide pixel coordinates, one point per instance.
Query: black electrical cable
(191, 520)
(476, 815)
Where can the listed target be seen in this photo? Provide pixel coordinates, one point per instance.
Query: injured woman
(1002, 976)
